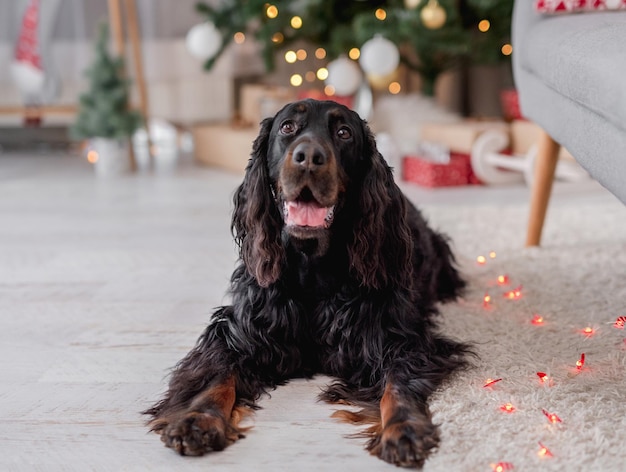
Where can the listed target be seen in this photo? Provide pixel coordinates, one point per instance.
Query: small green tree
(103, 110)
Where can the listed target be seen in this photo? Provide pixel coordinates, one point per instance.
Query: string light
(320, 53)
(543, 451)
(296, 80)
(492, 254)
(491, 382)
(395, 88)
(278, 38)
(514, 294)
(301, 54)
(588, 331)
(620, 322)
(239, 37)
(580, 362)
(481, 260)
(543, 377)
(503, 279)
(271, 11)
(322, 73)
(508, 408)
(507, 50)
(537, 320)
(483, 26)
(296, 22)
(486, 300)
(291, 57)
(310, 76)
(381, 14)
(92, 157)
(354, 54)
(501, 466)
(329, 90)
(552, 418)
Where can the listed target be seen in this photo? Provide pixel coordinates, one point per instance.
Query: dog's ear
(381, 249)
(256, 223)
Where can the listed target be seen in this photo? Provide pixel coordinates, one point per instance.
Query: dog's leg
(408, 433)
(207, 424)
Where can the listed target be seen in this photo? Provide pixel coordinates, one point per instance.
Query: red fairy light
(486, 300)
(503, 279)
(514, 294)
(544, 451)
(620, 322)
(588, 331)
(580, 362)
(491, 382)
(537, 320)
(508, 408)
(552, 418)
(543, 377)
(502, 467)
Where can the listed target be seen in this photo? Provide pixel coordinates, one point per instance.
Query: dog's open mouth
(306, 211)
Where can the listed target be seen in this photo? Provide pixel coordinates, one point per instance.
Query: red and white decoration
(27, 69)
(570, 6)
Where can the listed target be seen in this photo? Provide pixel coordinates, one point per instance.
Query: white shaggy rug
(577, 280)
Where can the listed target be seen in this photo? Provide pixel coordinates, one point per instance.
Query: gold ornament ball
(412, 4)
(381, 82)
(433, 15)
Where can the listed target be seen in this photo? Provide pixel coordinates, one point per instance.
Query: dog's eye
(344, 132)
(288, 127)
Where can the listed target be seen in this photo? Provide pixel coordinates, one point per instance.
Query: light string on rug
(488, 303)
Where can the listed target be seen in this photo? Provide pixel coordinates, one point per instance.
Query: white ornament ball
(379, 56)
(412, 4)
(344, 76)
(204, 41)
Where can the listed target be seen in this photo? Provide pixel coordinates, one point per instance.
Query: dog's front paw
(405, 443)
(195, 433)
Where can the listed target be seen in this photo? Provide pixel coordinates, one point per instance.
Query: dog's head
(315, 171)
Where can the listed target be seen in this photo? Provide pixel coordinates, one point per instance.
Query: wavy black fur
(361, 309)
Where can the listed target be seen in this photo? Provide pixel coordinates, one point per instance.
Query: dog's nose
(309, 155)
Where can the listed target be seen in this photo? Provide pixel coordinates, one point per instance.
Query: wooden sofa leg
(545, 166)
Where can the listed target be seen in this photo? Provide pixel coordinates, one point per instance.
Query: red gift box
(432, 174)
(509, 100)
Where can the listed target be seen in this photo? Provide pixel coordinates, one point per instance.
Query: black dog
(339, 275)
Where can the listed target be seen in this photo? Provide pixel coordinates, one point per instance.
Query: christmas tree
(431, 35)
(103, 108)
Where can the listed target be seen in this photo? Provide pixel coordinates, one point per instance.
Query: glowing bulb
(395, 88)
(239, 37)
(301, 54)
(588, 331)
(354, 54)
(508, 408)
(322, 73)
(92, 157)
(481, 260)
(580, 362)
(544, 378)
(543, 451)
(320, 53)
(620, 322)
(296, 80)
(486, 300)
(537, 320)
(502, 467)
(491, 382)
(507, 50)
(514, 294)
(329, 90)
(271, 11)
(278, 38)
(381, 14)
(552, 418)
(291, 57)
(503, 279)
(310, 76)
(492, 254)
(484, 26)
(296, 22)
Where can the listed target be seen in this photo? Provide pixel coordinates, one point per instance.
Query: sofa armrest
(524, 18)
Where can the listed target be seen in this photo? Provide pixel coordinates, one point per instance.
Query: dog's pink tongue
(306, 214)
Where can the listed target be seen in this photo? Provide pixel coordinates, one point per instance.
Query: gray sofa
(570, 72)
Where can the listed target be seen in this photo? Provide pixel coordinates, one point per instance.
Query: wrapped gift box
(224, 145)
(431, 174)
(458, 137)
(261, 101)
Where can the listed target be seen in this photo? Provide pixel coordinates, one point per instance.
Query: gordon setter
(339, 274)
